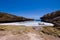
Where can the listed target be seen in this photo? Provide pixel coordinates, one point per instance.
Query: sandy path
(28, 36)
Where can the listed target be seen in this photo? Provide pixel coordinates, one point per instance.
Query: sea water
(29, 23)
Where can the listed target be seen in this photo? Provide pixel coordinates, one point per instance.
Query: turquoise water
(36, 21)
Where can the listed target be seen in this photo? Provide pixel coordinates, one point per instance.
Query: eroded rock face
(53, 17)
(5, 17)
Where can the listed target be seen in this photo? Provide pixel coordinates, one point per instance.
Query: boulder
(53, 17)
(5, 17)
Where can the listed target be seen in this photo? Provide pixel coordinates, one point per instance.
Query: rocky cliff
(5, 17)
(53, 17)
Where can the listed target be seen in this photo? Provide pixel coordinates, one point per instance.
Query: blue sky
(29, 8)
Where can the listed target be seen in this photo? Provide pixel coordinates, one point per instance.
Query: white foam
(29, 23)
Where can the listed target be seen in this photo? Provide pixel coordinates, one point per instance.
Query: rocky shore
(53, 17)
(15, 32)
(6, 18)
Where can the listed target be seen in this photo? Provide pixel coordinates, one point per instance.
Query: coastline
(29, 23)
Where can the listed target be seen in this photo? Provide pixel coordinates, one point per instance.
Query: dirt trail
(28, 36)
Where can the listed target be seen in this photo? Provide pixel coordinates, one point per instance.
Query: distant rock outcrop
(53, 17)
(5, 17)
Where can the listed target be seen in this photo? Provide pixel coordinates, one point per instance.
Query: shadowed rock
(53, 17)
(5, 17)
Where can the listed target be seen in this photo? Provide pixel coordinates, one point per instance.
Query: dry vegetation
(51, 31)
(45, 33)
(17, 29)
(22, 29)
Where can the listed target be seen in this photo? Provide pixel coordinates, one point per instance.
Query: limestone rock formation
(5, 17)
(53, 17)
